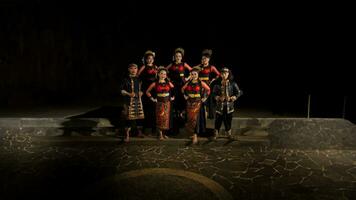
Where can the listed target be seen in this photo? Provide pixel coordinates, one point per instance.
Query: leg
(218, 122)
(129, 125)
(160, 136)
(139, 128)
(227, 124)
(195, 139)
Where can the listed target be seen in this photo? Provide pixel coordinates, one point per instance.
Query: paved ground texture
(279, 163)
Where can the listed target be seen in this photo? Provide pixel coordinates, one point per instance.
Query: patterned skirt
(163, 112)
(134, 110)
(193, 110)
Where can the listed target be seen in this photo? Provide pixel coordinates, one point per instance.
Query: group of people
(161, 98)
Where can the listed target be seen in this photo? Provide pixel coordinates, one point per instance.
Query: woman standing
(208, 74)
(147, 74)
(177, 70)
(195, 93)
(163, 99)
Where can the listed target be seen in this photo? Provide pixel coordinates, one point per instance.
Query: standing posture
(147, 74)
(208, 74)
(163, 99)
(133, 110)
(177, 70)
(225, 92)
(196, 93)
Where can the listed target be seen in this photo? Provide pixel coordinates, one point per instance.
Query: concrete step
(282, 132)
(237, 123)
(149, 140)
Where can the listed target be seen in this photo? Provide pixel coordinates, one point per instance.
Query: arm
(206, 87)
(169, 66)
(235, 91)
(124, 89)
(183, 90)
(148, 92)
(216, 92)
(216, 72)
(172, 92)
(187, 67)
(206, 91)
(140, 70)
(213, 69)
(171, 84)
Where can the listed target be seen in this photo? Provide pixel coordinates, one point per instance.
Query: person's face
(195, 75)
(225, 75)
(162, 74)
(205, 60)
(149, 59)
(133, 70)
(178, 57)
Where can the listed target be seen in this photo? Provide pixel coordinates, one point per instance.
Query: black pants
(224, 117)
(149, 108)
(135, 125)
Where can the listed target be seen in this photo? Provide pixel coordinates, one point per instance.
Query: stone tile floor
(67, 168)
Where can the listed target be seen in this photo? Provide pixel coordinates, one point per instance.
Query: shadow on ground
(85, 124)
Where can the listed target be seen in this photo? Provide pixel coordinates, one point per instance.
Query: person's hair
(179, 50)
(132, 65)
(161, 68)
(230, 77)
(148, 53)
(196, 69)
(207, 53)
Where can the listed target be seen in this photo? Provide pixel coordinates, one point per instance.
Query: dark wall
(58, 52)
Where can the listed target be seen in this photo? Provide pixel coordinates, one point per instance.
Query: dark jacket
(232, 90)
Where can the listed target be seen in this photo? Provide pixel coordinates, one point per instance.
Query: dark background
(55, 52)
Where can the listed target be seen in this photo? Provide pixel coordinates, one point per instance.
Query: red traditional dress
(206, 74)
(163, 104)
(195, 92)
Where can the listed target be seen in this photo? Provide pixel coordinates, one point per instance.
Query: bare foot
(140, 135)
(127, 138)
(195, 139)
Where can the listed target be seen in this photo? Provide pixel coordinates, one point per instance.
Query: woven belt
(163, 94)
(194, 95)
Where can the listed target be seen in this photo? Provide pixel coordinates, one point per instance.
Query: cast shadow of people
(87, 124)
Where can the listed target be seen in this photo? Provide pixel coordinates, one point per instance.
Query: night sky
(279, 52)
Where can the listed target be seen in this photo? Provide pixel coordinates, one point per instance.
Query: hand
(233, 98)
(153, 99)
(203, 99)
(186, 97)
(172, 98)
(132, 94)
(219, 98)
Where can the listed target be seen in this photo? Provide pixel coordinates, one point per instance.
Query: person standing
(147, 74)
(163, 88)
(177, 71)
(226, 92)
(208, 74)
(195, 93)
(133, 108)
